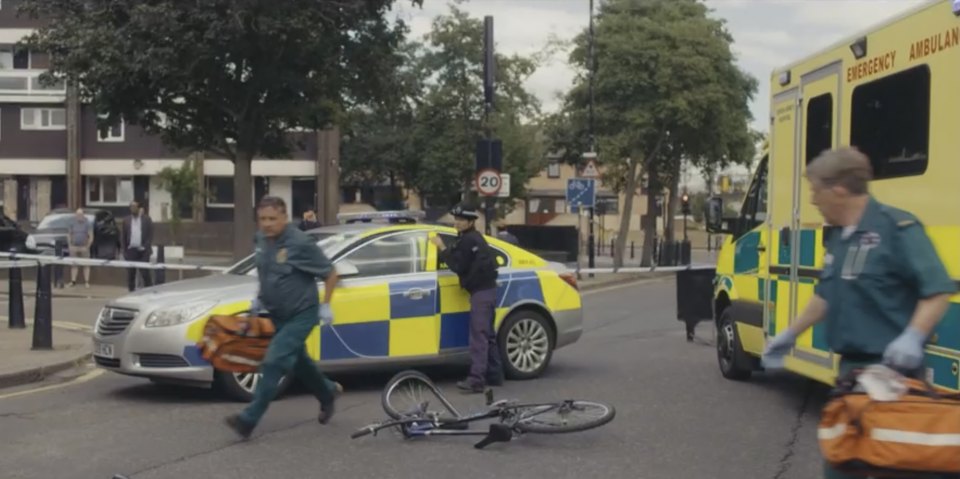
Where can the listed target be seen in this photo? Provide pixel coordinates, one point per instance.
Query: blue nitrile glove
(255, 306)
(777, 349)
(906, 352)
(326, 314)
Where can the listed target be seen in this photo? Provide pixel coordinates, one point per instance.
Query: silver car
(397, 306)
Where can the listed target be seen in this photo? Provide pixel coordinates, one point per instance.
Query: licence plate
(103, 350)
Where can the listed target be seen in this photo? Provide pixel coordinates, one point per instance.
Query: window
(607, 206)
(890, 122)
(112, 133)
(753, 212)
(402, 253)
(819, 125)
(553, 170)
(220, 191)
(43, 119)
(449, 240)
(109, 190)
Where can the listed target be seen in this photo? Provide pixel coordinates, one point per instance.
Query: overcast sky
(767, 33)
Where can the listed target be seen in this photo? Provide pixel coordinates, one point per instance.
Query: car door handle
(761, 248)
(415, 293)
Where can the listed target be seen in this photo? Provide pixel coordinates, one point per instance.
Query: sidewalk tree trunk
(237, 80)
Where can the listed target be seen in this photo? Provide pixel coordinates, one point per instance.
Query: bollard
(613, 247)
(160, 276)
(685, 253)
(631, 250)
(15, 310)
(58, 248)
(42, 316)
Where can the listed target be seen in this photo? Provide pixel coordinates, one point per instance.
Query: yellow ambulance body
(893, 92)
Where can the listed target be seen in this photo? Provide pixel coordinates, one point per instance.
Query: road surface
(676, 418)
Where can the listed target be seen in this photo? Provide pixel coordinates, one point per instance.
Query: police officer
(475, 265)
(883, 288)
(288, 263)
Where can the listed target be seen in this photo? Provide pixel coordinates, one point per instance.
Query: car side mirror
(346, 268)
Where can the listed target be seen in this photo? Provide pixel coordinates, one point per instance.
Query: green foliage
(229, 77)
(182, 184)
(666, 90)
(425, 135)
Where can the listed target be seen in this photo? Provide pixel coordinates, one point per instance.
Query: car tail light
(571, 279)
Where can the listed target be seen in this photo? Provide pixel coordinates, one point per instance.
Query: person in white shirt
(137, 244)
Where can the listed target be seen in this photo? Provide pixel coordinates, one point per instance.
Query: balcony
(24, 86)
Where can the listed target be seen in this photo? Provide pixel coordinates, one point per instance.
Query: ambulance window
(819, 125)
(890, 122)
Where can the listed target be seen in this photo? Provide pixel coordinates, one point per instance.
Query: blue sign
(581, 192)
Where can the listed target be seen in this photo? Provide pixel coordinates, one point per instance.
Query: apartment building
(52, 154)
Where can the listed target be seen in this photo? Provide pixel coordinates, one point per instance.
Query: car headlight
(31, 242)
(178, 315)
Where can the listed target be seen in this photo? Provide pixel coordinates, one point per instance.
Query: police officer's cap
(466, 211)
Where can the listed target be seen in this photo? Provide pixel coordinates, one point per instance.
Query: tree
(451, 117)
(182, 184)
(666, 90)
(234, 78)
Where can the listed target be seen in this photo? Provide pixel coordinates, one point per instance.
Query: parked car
(398, 305)
(55, 226)
(12, 237)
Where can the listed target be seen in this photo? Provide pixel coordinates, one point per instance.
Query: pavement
(677, 417)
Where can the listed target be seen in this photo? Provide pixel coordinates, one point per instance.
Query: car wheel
(241, 386)
(734, 362)
(526, 344)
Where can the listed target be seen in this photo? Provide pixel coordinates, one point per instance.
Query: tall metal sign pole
(593, 148)
(489, 72)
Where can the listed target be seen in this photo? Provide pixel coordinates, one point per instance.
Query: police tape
(648, 269)
(17, 260)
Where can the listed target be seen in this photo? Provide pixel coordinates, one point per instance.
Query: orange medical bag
(236, 343)
(916, 433)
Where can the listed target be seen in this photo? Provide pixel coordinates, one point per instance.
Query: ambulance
(892, 91)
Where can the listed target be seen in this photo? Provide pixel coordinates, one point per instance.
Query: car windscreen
(59, 221)
(330, 243)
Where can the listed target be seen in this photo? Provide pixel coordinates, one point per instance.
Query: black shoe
(469, 387)
(327, 407)
(239, 426)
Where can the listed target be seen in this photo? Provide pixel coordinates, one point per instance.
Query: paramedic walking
(883, 288)
(475, 265)
(288, 265)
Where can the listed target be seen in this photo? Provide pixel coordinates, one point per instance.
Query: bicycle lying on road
(515, 418)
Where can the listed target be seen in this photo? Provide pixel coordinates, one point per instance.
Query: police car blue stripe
(192, 355)
(519, 286)
(402, 306)
(368, 339)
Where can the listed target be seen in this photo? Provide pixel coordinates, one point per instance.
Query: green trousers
(829, 472)
(287, 353)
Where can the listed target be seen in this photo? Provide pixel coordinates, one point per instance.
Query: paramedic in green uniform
(288, 265)
(883, 288)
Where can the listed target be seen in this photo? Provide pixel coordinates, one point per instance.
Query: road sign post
(591, 171)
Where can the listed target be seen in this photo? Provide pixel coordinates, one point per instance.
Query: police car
(397, 305)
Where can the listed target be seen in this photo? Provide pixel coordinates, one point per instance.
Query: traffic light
(685, 204)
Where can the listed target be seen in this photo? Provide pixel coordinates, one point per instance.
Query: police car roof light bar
(395, 216)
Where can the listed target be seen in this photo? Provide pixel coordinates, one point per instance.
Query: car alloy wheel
(527, 345)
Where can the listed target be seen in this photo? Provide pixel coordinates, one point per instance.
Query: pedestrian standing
(138, 244)
(474, 263)
(80, 236)
(883, 288)
(288, 265)
(309, 221)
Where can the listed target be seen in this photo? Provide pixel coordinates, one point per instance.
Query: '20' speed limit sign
(488, 182)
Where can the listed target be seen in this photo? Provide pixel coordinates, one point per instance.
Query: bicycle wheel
(409, 391)
(563, 417)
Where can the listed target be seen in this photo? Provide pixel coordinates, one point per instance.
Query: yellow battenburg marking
(361, 304)
(414, 336)
(313, 344)
(557, 294)
(453, 299)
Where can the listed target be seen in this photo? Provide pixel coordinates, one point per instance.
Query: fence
(14, 263)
